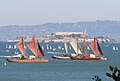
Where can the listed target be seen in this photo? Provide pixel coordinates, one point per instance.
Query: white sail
(70, 48)
(9, 46)
(114, 48)
(66, 47)
(50, 47)
(59, 47)
(15, 47)
(75, 46)
(47, 46)
(88, 47)
(42, 47)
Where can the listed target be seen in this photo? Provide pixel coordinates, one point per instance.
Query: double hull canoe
(27, 60)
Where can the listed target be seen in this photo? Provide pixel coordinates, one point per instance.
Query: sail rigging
(95, 47)
(99, 49)
(32, 46)
(75, 46)
(40, 52)
(20, 46)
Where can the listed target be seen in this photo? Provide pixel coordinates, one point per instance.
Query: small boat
(59, 47)
(65, 56)
(47, 46)
(98, 55)
(61, 57)
(24, 58)
(115, 48)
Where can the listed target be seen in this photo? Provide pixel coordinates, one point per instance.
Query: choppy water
(57, 70)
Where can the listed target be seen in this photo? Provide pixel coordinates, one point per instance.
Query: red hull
(88, 58)
(82, 58)
(61, 57)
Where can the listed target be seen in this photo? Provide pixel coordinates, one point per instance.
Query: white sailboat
(88, 48)
(9, 46)
(47, 46)
(70, 48)
(15, 46)
(115, 48)
(50, 47)
(65, 56)
(42, 47)
(59, 47)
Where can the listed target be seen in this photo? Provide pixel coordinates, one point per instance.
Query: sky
(31, 12)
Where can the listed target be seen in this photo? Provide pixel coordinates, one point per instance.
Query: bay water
(57, 70)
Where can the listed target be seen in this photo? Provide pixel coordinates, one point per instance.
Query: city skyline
(30, 12)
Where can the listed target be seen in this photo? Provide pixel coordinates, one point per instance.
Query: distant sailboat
(15, 46)
(47, 46)
(42, 47)
(59, 47)
(50, 47)
(88, 48)
(70, 48)
(9, 46)
(65, 56)
(115, 48)
(32, 46)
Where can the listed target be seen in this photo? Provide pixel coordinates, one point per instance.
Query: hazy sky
(43, 11)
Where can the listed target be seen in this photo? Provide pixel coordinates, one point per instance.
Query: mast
(84, 45)
(20, 46)
(32, 46)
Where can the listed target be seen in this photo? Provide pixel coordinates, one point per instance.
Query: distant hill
(96, 28)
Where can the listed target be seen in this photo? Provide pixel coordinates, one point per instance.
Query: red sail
(99, 49)
(32, 45)
(93, 46)
(40, 52)
(84, 51)
(20, 46)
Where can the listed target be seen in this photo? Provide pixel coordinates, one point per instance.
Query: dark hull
(61, 57)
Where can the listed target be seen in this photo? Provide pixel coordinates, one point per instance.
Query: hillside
(96, 28)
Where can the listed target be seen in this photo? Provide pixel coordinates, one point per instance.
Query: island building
(59, 37)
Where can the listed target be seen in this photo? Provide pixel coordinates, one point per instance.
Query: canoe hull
(27, 60)
(61, 57)
(77, 58)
